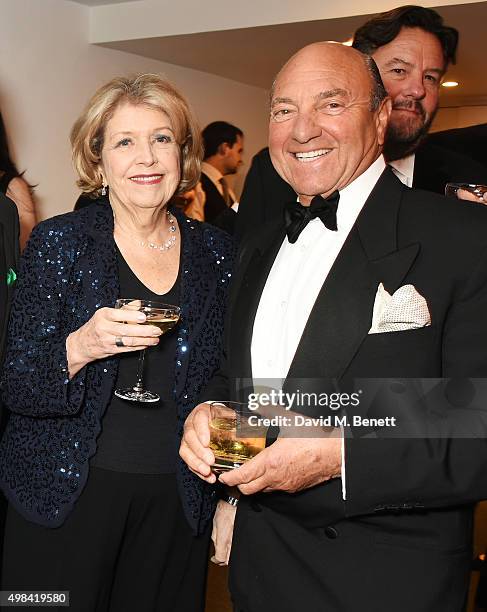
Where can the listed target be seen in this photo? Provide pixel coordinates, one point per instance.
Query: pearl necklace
(170, 242)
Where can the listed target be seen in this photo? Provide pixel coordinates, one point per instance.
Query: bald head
(328, 118)
(323, 52)
(333, 52)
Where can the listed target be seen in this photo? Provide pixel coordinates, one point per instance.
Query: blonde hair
(87, 134)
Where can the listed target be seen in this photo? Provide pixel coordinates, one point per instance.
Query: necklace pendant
(169, 243)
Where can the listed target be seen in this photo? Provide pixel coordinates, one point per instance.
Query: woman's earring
(104, 189)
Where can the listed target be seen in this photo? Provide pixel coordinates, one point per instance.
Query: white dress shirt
(296, 277)
(294, 282)
(404, 169)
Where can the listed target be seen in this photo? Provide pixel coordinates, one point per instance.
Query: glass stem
(140, 372)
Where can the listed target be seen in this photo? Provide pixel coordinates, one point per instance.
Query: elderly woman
(99, 503)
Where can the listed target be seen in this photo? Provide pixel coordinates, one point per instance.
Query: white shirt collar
(211, 172)
(404, 169)
(354, 195)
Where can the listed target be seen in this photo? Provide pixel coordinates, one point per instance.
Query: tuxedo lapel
(342, 314)
(378, 228)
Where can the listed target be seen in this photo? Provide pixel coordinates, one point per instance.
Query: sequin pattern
(67, 272)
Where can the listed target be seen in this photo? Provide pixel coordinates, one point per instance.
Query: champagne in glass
(163, 316)
(235, 435)
(164, 321)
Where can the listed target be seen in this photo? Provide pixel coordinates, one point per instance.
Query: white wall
(459, 116)
(49, 70)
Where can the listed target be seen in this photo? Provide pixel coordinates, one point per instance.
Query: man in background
(223, 144)
(412, 49)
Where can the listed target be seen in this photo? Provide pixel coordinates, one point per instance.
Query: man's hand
(290, 464)
(222, 533)
(194, 449)
(463, 194)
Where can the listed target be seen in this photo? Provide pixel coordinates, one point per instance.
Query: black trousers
(126, 547)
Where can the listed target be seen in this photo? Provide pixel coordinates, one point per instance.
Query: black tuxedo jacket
(215, 204)
(402, 538)
(435, 166)
(265, 192)
(470, 141)
(9, 253)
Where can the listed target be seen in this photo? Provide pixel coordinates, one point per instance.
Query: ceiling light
(450, 84)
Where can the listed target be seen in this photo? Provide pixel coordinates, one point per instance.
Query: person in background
(470, 141)
(99, 502)
(223, 145)
(412, 49)
(192, 202)
(13, 185)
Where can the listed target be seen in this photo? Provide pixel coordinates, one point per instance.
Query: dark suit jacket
(470, 141)
(265, 192)
(68, 271)
(215, 204)
(435, 166)
(226, 221)
(402, 539)
(9, 254)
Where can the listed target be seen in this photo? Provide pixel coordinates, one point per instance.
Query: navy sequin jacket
(68, 271)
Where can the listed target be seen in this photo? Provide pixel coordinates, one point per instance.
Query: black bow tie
(297, 216)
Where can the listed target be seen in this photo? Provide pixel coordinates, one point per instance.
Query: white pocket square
(405, 309)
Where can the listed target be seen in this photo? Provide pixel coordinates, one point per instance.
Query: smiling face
(140, 159)
(322, 133)
(411, 67)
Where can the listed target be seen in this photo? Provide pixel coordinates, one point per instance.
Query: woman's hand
(97, 338)
(222, 533)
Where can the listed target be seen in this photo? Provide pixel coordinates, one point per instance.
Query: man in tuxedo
(364, 278)
(223, 150)
(412, 48)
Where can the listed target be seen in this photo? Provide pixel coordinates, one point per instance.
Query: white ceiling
(101, 2)
(253, 55)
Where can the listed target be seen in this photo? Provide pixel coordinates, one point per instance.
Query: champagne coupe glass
(163, 316)
(236, 435)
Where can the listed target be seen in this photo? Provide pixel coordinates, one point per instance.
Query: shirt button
(331, 533)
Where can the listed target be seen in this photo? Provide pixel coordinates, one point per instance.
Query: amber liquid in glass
(229, 447)
(162, 321)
